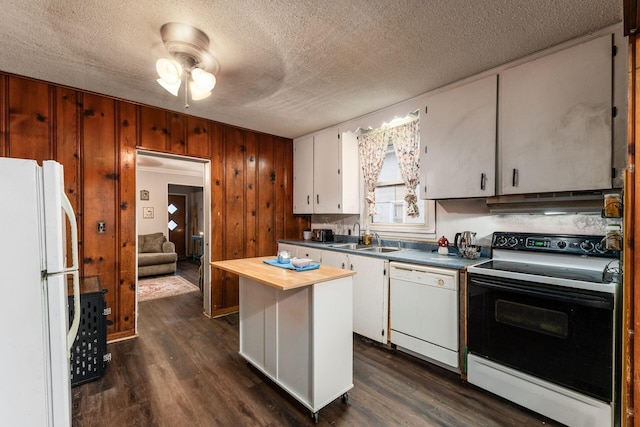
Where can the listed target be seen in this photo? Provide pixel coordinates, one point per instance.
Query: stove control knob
(512, 242)
(501, 241)
(561, 244)
(586, 246)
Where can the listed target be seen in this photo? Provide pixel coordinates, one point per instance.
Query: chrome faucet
(377, 236)
(354, 229)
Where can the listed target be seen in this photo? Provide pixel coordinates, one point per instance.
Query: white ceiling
(288, 67)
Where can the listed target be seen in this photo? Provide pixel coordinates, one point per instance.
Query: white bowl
(301, 262)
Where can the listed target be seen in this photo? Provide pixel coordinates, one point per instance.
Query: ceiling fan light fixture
(205, 81)
(189, 51)
(172, 88)
(168, 70)
(197, 95)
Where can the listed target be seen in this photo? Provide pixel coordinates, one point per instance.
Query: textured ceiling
(288, 67)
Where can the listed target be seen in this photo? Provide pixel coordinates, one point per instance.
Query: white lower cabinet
(301, 251)
(370, 297)
(312, 253)
(300, 338)
(370, 292)
(370, 287)
(336, 259)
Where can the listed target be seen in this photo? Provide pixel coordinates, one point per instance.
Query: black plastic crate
(88, 353)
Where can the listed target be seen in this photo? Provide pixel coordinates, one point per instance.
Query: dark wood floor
(184, 370)
(189, 270)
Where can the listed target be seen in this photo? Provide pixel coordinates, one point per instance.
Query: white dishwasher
(424, 312)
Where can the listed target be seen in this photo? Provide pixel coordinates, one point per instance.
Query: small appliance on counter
(465, 242)
(322, 235)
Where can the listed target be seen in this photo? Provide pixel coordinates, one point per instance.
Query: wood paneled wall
(95, 138)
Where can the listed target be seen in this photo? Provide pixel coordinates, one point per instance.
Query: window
(390, 191)
(391, 217)
(391, 211)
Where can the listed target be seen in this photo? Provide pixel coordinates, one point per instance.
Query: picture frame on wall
(147, 212)
(144, 194)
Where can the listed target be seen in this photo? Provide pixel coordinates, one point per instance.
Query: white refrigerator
(36, 223)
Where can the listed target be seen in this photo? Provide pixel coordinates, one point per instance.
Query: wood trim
(4, 112)
(225, 311)
(631, 17)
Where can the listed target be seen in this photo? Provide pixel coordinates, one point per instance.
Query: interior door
(177, 222)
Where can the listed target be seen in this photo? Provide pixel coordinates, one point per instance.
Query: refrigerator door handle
(73, 270)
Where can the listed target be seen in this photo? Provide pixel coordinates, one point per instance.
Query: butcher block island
(296, 327)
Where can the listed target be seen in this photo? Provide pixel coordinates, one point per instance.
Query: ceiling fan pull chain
(186, 91)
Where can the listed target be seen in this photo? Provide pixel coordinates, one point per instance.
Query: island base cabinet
(300, 338)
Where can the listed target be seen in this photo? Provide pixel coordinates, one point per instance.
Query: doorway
(177, 208)
(156, 174)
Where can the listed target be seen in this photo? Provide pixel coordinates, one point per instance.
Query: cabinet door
(257, 324)
(313, 253)
(555, 121)
(370, 297)
(303, 176)
(458, 141)
(350, 172)
(325, 166)
(335, 259)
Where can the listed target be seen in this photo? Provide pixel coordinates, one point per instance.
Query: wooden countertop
(280, 278)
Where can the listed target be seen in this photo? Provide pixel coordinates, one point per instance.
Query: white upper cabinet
(458, 141)
(325, 173)
(555, 119)
(303, 175)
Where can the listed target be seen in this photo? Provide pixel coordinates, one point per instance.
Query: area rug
(163, 286)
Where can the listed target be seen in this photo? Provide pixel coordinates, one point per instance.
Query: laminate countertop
(279, 278)
(423, 254)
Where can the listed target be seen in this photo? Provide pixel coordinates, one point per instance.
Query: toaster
(322, 234)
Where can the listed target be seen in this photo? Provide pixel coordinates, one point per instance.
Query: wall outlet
(102, 227)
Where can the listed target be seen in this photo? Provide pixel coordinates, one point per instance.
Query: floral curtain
(372, 148)
(406, 142)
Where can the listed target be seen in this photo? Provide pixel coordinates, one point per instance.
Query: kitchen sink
(352, 246)
(379, 249)
(364, 248)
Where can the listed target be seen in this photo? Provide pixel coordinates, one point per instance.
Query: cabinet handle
(482, 181)
(307, 199)
(351, 267)
(318, 199)
(343, 265)
(514, 178)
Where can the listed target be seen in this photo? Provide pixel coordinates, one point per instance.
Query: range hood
(548, 203)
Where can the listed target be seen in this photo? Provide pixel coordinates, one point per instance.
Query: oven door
(562, 335)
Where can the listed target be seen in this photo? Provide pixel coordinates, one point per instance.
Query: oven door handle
(578, 298)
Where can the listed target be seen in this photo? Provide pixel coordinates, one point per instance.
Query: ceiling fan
(189, 60)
